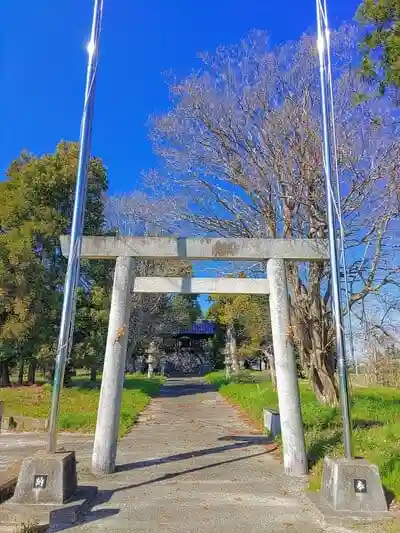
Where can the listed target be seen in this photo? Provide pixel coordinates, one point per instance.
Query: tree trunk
(32, 372)
(21, 372)
(4, 374)
(323, 379)
(68, 374)
(49, 372)
(312, 332)
(93, 373)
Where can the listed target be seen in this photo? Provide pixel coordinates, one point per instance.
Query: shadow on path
(253, 440)
(241, 442)
(57, 524)
(104, 496)
(175, 388)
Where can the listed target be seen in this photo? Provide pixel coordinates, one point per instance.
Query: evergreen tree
(381, 42)
(36, 204)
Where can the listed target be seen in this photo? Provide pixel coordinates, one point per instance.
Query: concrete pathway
(192, 465)
(16, 446)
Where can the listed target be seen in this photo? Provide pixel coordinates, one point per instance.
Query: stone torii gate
(125, 250)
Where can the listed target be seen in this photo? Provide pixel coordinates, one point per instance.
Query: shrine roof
(198, 328)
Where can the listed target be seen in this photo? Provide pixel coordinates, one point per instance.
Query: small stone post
(231, 347)
(269, 355)
(151, 359)
(227, 362)
(105, 440)
(294, 452)
(163, 362)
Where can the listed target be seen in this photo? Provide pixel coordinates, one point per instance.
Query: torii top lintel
(101, 247)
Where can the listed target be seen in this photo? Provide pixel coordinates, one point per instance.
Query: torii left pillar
(112, 384)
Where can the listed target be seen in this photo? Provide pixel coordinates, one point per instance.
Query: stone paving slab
(192, 465)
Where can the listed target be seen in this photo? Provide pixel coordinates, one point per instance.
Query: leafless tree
(381, 360)
(240, 154)
(152, 315)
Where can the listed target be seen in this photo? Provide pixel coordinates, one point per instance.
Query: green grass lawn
(78, 408)
(376, 420)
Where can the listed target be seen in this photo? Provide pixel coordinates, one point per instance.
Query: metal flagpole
(72, 275)
(332, 203)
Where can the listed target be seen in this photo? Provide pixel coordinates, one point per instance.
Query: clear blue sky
(43, 62)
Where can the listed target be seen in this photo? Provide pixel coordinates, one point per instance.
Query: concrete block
(7, 423)
(14, 515)
(353, 485)
(351, 492)
(272, 422)
(23, 423)
(46, 478)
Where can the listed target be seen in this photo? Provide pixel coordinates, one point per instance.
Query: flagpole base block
(351, 492)
(46, 478)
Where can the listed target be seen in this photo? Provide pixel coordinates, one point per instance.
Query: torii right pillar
(294, 449)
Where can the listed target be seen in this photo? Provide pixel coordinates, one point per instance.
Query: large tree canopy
(240, 155)
(381, 43)
(36, 202)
